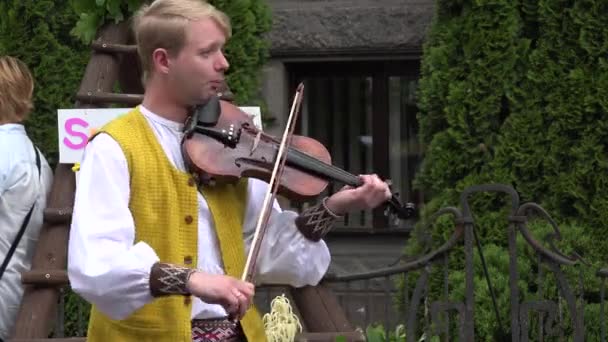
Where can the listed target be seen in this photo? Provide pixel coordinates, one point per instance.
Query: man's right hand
(233, 294)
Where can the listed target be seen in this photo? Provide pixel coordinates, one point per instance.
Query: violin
(222, 144)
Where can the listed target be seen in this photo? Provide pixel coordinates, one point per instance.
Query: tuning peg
(410, 209)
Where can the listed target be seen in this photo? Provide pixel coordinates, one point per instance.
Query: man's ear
(160, 59)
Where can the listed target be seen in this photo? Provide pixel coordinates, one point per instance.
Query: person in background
(25, 181)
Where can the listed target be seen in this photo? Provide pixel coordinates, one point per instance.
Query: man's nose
(222, 62)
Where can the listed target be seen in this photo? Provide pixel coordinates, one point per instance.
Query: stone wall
(313, 27)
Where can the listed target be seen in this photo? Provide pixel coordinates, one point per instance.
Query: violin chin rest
(207, 115)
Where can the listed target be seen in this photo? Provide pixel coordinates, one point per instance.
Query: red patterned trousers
(216, 330)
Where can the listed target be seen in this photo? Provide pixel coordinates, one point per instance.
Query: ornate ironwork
(435, 313)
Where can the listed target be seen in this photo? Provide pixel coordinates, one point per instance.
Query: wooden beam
(104, 97)
(320, 309)
(58, 215)
(101, 46)
(130, 77)
(38, 309)
(101, 97)
(45, 277)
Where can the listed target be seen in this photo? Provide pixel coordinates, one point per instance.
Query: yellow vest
(163, 202)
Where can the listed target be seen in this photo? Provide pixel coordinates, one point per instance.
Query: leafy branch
(94, 13)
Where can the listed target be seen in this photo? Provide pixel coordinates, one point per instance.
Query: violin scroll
(400, 211)
(397, 210)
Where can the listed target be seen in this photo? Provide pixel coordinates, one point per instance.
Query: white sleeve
(105, 267)
(286, 256)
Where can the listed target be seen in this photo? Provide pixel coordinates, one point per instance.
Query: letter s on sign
(69, 128)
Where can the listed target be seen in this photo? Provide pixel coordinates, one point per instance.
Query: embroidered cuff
(315, 222)
(167, 279)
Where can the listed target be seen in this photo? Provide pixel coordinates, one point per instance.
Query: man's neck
(158, 101)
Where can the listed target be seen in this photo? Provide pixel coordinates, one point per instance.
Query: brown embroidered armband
(167, 279)
(315, 222)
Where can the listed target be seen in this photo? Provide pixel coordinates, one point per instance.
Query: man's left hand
(371, 194)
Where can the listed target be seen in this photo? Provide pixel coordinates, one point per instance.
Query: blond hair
(162, 24)
(16, 90)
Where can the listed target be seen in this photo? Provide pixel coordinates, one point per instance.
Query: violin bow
(262, 224)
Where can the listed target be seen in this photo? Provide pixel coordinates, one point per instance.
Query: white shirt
(105, 266)
(20, 187)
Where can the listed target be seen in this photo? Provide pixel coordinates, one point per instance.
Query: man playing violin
(158, 255)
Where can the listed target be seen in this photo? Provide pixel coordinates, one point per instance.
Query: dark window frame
(380, 73)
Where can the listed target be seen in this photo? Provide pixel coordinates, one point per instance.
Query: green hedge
(516, 92)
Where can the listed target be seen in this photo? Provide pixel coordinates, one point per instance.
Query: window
(365, 114)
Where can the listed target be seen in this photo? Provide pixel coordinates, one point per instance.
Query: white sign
(77, 125)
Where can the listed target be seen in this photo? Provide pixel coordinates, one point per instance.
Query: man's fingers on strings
(387, 193)
(382, 188)
(366, 180)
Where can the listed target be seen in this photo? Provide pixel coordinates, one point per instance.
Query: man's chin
(201, 100)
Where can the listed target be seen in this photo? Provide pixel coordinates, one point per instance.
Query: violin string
(337, 173)
(331, 171)
(306, 160)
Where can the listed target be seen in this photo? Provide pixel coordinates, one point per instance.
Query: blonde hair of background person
(23, 187)
(16, 90)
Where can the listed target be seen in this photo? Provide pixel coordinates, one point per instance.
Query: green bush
(515, 92)
(76, 315)
(531, 286)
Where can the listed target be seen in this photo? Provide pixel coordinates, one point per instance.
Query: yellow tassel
(281, 324)
(76, 167)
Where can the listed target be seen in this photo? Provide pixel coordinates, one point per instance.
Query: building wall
(318, 28)
(344, 30)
